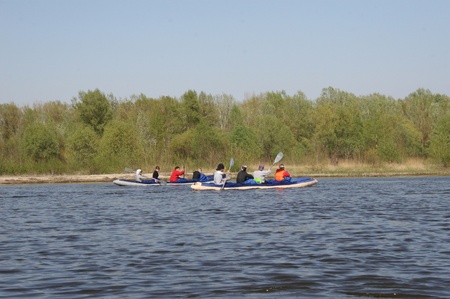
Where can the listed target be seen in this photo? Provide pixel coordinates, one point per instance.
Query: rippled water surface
(342, 238)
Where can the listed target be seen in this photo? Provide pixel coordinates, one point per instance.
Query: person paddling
(138, 177)
(260, 174)
(220, 176)
(176, 175)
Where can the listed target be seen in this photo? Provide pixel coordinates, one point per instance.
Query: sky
(50, 50)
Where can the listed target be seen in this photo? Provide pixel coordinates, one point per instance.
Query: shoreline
(105, 178)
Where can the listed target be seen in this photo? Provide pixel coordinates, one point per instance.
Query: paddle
(231, 164)
(161, 182)
(277, 159)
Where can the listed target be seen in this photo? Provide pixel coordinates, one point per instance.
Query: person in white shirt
(220, 176)
(138, 177)
(260, 174)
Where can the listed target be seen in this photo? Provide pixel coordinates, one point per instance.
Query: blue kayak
(251, 184)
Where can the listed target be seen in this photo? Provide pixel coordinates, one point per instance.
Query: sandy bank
(55, 179)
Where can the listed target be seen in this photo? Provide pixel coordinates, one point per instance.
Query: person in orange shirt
(175, 176)
(281, 174)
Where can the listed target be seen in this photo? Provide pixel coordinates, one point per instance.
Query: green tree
(274, 136)
(378, 115)
(224, 104)
(118, 147)
(146, 127)
(440, 141)
(245, 144)
(191, 109)
(207, 143)
(40, 143)
(94, 109)
(201, 144)
(165, 123)
(181, 146)
(251, 111)
(208, 109)
(10, 116)
(83, 146)
(347, 126)
(324, 139)
(298, 117)
(10, 121)
(420, 107)
(236, 119)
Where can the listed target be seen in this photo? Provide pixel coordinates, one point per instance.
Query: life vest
(279, 174)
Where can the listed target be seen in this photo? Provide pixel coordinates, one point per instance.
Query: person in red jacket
(281, 174)
(175, 176)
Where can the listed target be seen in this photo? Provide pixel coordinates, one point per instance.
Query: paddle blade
(231, 165)
(231, 162)
(162, 182)
(128, 169)
(278, 158)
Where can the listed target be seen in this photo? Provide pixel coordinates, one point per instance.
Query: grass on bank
(352, 168)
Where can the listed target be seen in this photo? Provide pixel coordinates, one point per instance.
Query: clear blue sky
(52, 49)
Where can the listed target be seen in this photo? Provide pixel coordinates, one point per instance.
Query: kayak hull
(122, 182)
(270, 184)
(149, 183)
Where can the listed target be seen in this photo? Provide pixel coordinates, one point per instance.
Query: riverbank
(57, 179)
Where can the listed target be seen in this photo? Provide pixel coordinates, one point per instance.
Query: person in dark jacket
(200, 176)
(197, 174)
(242, 175)
(156, 173)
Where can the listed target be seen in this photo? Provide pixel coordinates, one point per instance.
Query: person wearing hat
(242, 175)
(138, 177)
(260, 174)
(281, 174)
(220, 177)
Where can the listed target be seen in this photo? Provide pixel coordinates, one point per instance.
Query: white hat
(138, 171)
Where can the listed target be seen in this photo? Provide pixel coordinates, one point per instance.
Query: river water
(342, 238)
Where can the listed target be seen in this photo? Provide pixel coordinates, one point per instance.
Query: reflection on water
(342, 238)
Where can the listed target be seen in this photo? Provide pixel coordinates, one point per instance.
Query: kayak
(123, 182)
(148, 183)
(251, 184)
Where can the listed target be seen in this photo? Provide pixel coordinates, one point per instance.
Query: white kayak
(151, 182)
(123, 182)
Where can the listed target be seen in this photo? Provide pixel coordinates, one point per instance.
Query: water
(342, 238)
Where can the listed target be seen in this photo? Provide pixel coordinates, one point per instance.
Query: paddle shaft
(231, 164)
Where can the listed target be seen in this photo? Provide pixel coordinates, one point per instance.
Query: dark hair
(176, 167)
(157, 167)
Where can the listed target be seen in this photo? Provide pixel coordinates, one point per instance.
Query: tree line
(97, 133)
